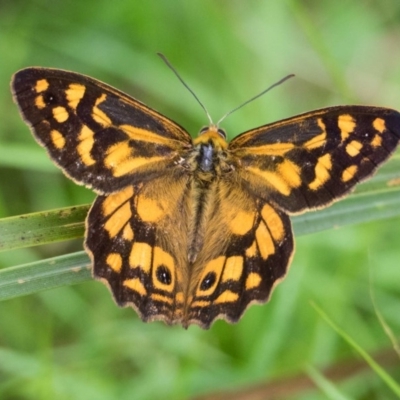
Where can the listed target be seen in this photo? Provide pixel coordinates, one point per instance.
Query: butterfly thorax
(209, 158)
(208, 162)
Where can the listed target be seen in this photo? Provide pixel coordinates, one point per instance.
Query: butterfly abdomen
(208, 162)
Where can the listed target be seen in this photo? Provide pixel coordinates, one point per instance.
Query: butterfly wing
(247, 248)
(141, 233)
(293, 165)
(128, 153)
(137, 239)
(308, 161)
(99, 136)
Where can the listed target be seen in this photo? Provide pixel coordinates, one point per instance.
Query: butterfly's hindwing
(127, 261)
(246, 272)
(245, 250)
(308, 161)
(99, 136)
(129, 240)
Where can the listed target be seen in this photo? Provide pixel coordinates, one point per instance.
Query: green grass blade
(327, 387)
(385, 326)
(45, 274)
(355, 209)
(390, 382)
(42, 227)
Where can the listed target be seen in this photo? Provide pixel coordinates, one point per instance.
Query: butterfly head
(213, 128)
(212, 135)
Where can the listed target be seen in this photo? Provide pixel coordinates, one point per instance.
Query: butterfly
(193, 230)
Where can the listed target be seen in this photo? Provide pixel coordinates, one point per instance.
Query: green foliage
(391, 383)
(72, 341)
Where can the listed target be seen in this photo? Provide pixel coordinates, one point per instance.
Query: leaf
(42, 227)
(390, 382)
(45, 274)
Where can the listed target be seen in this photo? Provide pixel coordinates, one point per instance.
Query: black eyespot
(164, 275)
(222, 133)
(208, 281)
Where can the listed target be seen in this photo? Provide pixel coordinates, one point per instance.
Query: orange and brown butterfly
(191, 230)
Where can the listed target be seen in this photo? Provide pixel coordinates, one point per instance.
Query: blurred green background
(73, 342)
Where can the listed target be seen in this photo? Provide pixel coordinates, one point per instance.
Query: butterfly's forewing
(99, 136)
(308, 161)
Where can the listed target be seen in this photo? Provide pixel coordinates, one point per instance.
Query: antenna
(186, 86)
(256, 97)
(169, 65)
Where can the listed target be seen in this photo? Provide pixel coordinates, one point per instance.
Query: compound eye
(222, 133)
(203, 130)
